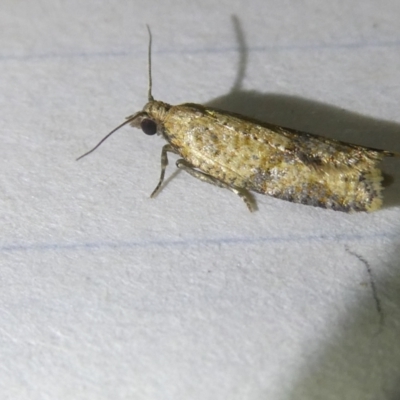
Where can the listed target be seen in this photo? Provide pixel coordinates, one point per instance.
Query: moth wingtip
(375, 205)
(391, 154)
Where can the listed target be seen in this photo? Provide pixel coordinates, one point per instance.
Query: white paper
(109, 294)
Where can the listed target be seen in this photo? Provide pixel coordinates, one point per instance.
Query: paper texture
(109, 294)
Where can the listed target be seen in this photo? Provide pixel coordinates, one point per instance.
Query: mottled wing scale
(283, 163)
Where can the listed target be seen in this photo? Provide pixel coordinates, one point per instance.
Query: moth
(244, 155)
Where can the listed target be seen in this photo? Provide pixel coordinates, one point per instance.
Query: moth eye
(149, 127)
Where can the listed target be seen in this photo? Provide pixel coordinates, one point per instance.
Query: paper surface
(109, 294)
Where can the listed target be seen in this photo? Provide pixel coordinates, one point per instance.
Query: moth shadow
(325, 120)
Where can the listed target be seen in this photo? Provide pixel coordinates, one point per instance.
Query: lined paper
(107, 293)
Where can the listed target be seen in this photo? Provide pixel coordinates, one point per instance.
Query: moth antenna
(149, 96)
(129, 120)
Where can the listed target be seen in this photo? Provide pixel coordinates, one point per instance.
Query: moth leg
(164, 162)
(244, 194)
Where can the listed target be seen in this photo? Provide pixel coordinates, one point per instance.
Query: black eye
(149, 127)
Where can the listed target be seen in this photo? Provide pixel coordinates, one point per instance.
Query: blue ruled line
(205, 50)
(13, 247)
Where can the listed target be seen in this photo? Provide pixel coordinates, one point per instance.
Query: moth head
(150, 119)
